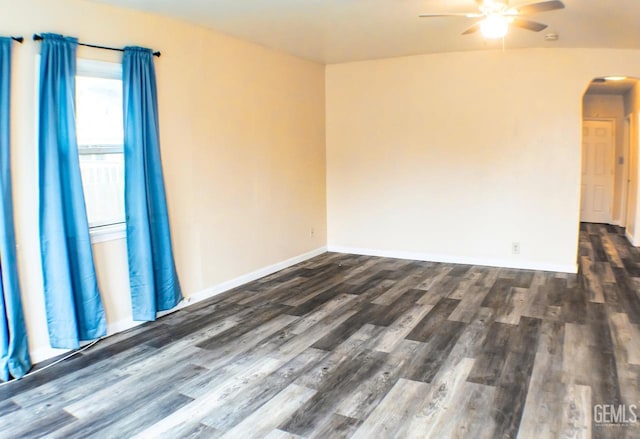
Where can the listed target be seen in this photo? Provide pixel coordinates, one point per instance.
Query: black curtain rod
(37, 37)
(18, 39)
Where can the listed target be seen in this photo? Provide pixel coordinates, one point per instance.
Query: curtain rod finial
(36, 37)
(18, 39)
(158, 54)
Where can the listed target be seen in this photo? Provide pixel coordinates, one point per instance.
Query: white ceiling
(333, 31)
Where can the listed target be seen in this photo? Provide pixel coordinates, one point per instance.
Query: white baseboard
(45, 353)
(249, 277)
(416, 256)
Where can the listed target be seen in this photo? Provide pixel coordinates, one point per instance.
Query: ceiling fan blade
(462, 14)
(473, 29)
(534, 8)
(529, 25)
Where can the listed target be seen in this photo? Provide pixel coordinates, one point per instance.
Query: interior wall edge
(631, 238)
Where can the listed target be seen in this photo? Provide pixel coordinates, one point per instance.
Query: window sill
(108, 233)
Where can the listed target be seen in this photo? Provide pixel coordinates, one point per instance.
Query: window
(99, 125)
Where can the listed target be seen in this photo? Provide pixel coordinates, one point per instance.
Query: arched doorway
(610, 110)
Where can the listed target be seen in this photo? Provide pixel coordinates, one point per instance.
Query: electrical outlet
(515, 248)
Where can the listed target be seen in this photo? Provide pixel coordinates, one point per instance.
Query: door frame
(634, 149)
(612, 159)
(624, 206)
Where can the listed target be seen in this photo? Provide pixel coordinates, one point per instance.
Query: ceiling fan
(497, 15)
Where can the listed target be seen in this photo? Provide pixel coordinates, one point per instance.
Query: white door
(597, 171)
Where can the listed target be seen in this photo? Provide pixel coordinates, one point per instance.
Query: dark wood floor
(364, 347)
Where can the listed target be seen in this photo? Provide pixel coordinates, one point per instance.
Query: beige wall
(446, 156)
(243, 149)
(456, 156)
(598, 106)
(632, 108)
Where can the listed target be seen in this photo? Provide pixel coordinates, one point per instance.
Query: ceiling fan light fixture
(494, 26)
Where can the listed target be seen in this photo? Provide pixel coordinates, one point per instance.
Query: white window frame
(107, 70)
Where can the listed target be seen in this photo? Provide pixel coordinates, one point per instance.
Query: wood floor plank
(320, 407)
(334, 305)
(415, 276)
(626, 338)
(359, 404)
(347, 345)
(8, 407)
(317, 331)
(440, 401)
(439, 273)
(259, 320)
(433, 353)
(500, 289)
(468, 414)
(94, 361)
(577, 364)
(469, 304)
(310, 304)
(395, 410)
(591, 281)
(428, 325)
(446, 286)
(611, 251)
(340, 383)
(489, 276)
(599, 254)
(469, 280)
(219, 350)
(628, 294)
(267, 418)
(359, 344)
(78, 384)
(399, 329)
(397, 308)
(336, 427)
(40, 397)
(514, 305)
(241, 405)
(475, 421)
(513, 384)
(213, 398)
(367, 314)
(195, 325)
(326, 290)
(42, 426)
(469, 343)
(544, 405)
(279, 434)
(134, 388)
(121, 421)
(576, 419)
(187, 430)
(490, 362)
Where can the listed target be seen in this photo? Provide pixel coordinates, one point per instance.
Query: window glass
(100, 145)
